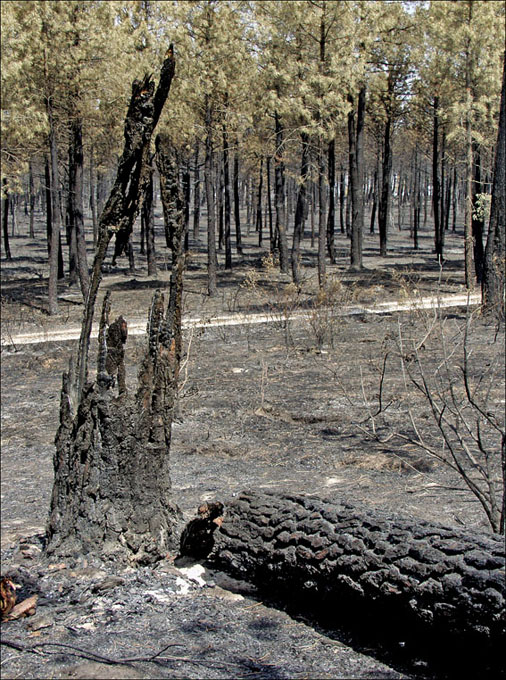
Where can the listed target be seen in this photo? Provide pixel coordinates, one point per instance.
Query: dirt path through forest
(137, 326)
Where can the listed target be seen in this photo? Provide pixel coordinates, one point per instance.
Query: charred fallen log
(360, 565)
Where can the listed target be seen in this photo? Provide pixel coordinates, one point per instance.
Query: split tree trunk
(418, 578)
(112, 494)
(122, 207)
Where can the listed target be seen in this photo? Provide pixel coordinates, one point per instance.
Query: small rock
(108, 583)
(39, 621)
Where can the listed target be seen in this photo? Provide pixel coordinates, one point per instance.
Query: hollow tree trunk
(112, 491)
(418, 578)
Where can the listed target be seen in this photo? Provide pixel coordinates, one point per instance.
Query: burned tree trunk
(112, 492)
(122, 207)
(409, 575)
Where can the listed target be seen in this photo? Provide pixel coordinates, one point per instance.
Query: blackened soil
(286, 405)
(255, 411)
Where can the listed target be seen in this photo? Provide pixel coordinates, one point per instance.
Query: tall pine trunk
(477, 222)
(300, 209)
(75, 203)
(438, 246)
(148, 219)
(196, 193)
(331, 220)
(493, 286)
(5, 218)
(211, 218)
(227, 205)
(237, 203)
(322, 218)
(356, 160)
(385, 195)
(279, 187)
(55, 212)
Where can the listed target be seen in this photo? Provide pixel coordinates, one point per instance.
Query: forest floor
(286, 404)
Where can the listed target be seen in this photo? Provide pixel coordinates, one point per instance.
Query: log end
(197, 538)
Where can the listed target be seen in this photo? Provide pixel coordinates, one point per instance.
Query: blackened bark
(148, 220)
(31, 189)
(342, 199)
(112, 491)
(219, 203)
(75, 204)
(258, 222)
(493, 287)
(417, 201)
(5, 219)
(432, 583)
(322, 219)
(438, 246)
(272, 237)
(279, 189)
(211, 219)
(356, 159)
(454, 199)
(196, 193)
(300, 208)
(93, 202)
(122, 206)
(374, 198)
(331, 221)
(477, 219)
(55, 212)
(384, 203)
(237, 206)
(187, 197)
(227, 205)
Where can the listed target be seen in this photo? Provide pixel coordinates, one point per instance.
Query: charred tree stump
(112, 489)
(414, 577)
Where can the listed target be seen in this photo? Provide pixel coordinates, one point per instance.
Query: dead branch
(40, 648)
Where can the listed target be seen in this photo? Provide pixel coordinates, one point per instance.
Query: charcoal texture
(361, 563)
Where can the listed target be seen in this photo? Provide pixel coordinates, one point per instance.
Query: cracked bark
(112, 489)
(362, 564)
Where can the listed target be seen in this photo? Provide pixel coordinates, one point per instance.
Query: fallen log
(415, 578)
